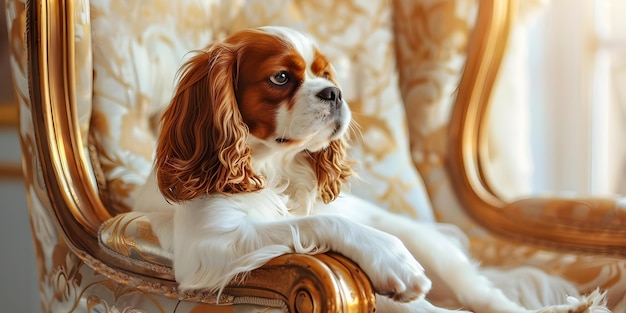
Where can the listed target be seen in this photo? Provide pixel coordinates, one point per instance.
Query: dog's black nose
(332, 94)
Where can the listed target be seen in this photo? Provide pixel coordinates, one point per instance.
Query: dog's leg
(446, 263)
(214, 244)
(442, 258)
(439, 256)
(394, 272)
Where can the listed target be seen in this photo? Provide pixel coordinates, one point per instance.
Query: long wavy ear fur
(202, 145)
(332, 168)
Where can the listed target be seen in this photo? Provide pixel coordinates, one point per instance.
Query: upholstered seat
(93, 76)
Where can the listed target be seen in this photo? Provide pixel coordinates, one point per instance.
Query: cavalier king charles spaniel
(250, 162)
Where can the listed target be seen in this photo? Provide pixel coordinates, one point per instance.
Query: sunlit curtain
(559, 111)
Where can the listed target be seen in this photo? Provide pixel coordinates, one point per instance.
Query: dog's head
(266, 89)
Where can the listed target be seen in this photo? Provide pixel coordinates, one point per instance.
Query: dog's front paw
(397, 274)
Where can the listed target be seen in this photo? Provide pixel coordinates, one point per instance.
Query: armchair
(92, 76)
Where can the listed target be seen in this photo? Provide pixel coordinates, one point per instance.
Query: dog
(250, 163)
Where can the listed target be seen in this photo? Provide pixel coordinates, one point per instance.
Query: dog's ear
(332, 168)
(202, 145)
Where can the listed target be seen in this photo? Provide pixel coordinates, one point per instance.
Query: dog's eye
(279, 78)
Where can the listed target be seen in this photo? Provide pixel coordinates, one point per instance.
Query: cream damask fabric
(431, 39)
(139, 45)
(586, 270)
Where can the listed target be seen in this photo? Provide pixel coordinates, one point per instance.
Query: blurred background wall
(18, 269)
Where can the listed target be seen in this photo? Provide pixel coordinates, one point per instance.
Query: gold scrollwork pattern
(130, 236)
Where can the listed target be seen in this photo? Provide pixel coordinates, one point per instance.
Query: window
(561, 118)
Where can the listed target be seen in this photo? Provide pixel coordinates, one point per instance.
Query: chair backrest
(139, 45)
(92, 76)
(98, 73)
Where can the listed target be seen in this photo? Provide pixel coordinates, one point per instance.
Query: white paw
(396, 274)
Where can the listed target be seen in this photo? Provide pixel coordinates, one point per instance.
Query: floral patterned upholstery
(135, 61)
(399, 62)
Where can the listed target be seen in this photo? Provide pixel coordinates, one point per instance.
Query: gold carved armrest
(302, 283)
(298, 283)
(320, 283)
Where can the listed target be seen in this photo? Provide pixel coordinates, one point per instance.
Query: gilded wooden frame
(589, 224)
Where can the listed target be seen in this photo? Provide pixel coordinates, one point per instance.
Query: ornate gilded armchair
(92, 76)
